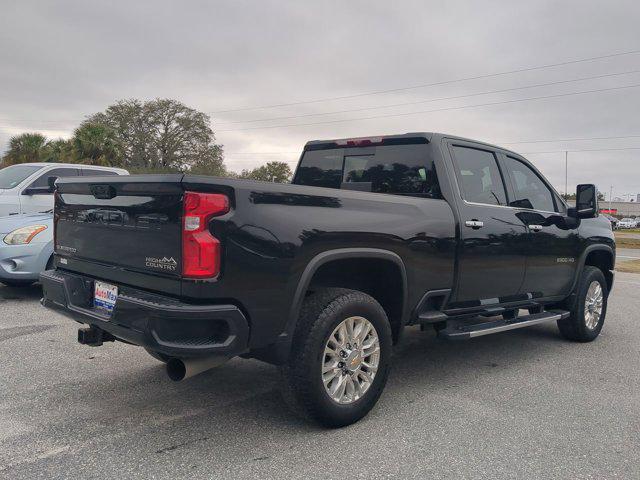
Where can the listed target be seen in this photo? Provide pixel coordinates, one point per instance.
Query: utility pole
(566, 173)
(610, 197)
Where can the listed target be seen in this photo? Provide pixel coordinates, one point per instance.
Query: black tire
(302, 386)
(575, 326)
(17, 283)
(158, 356)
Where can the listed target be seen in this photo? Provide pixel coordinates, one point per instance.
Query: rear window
(394, 169)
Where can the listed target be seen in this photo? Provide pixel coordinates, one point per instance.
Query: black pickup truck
(321, 276)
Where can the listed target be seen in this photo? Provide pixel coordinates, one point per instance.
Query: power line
(584, 150)
(335, 112)
(569, 140)
(433, 84)
(488, 92)
(504, 102)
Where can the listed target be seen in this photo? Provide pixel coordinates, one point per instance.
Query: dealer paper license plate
(105, 296)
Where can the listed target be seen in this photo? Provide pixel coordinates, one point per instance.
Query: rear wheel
(340, 357)
(589, 308)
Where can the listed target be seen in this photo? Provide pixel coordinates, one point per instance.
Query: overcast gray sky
(61, 61)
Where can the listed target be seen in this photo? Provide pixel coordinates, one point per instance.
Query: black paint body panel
(273, 233)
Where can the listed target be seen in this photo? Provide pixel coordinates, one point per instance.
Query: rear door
(491, 256)
(553, 245)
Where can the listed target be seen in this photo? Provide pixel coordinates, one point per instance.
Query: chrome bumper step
(464, 331)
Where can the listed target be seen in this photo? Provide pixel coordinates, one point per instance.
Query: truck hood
(10, 223)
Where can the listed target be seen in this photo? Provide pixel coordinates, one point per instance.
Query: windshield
(15, 174)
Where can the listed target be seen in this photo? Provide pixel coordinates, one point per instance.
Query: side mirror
(51, 181)
(586, 201)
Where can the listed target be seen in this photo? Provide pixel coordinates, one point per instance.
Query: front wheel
(340, 357)
(589, 309)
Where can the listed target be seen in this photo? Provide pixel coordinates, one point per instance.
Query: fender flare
(341, 254)
(583, 259)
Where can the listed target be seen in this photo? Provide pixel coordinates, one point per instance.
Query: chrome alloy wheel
(593, 305)
(351, 359)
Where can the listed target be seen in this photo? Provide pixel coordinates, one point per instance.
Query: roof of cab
(429, 136)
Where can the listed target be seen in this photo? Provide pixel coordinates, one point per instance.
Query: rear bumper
(159, 323)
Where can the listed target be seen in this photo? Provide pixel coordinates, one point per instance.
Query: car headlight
(24, 235)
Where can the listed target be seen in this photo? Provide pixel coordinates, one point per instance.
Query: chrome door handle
(474, 224)
(535, 228)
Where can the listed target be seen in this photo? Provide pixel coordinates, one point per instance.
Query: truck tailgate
(129, 223)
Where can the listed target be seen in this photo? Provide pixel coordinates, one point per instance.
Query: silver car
(28, 187)
(26, 248)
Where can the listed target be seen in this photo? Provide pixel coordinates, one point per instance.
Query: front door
(553, 243)
(491, 255)
(42, 202)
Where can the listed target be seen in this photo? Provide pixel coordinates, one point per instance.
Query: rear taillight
(201, 251)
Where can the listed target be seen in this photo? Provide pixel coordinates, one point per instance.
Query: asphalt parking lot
(522, 404)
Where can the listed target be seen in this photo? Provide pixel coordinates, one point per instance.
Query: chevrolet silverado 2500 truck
(321, 276)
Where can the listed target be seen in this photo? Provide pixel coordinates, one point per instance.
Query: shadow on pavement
(31, 292)
(246, 392)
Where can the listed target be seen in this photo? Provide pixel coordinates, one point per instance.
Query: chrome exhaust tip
(182, 368)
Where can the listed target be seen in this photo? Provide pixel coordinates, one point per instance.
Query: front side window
(530, 191)
(478, 175)
(14, 175)
(43, 180)
(394, 169)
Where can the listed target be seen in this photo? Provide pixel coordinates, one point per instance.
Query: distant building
(620, 209)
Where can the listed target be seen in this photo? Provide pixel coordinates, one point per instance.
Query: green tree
(278, 172)
(96, 144)
(161, 135)
(26, 147)
(59, 151)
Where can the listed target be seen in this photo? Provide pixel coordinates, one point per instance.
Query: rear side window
(530, 191)
(321, 168)
(479, 176)
(394, 169)
(43, 180)
(89, 172)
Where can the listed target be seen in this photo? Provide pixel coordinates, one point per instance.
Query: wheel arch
(600, 256)
(329, 261)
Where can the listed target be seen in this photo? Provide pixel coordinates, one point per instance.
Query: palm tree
(96, 144)
(26, 147)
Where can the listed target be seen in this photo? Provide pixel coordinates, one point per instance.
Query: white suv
(28, 187)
